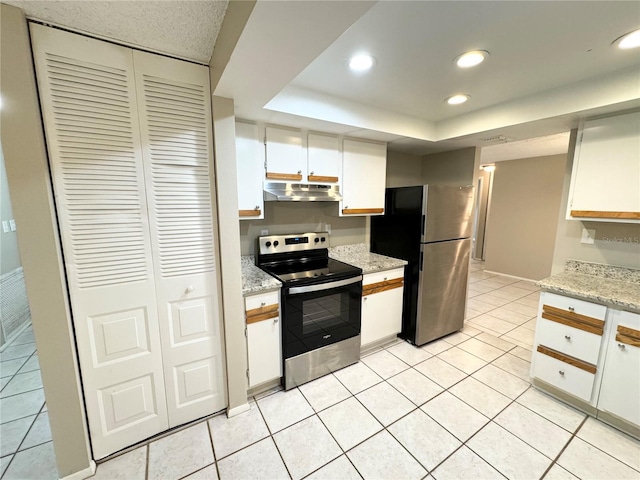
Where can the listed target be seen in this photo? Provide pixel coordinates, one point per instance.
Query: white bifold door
(130, 149)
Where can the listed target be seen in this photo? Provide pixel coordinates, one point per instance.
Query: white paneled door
(134, 205)
(175, 118)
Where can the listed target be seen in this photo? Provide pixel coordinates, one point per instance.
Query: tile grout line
(213, 448)
(271, 434)
(554, 461)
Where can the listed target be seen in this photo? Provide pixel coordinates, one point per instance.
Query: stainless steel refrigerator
(430, 227)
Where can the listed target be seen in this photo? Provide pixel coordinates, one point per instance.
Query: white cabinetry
(381, 305)
(567, 344)
(324, 161)
(620, 390)
(364, 170)
(605, 181)
(285, 156)
(264, 345)
(250, 171)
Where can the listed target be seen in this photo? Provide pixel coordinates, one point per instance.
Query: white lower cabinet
(381, 305)
(593, 355)
(264, 344)
(620, 389)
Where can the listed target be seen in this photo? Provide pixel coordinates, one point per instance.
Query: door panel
(175, 119)
(87, 92)
(442, 294)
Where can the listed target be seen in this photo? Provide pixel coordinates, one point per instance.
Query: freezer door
(448, 212)
(442, 292)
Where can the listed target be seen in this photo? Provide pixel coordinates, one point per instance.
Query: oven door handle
(324, 286)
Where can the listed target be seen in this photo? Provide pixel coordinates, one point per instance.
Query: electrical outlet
(5, 226)
(328, 228)
(264, 232)
(12, 225)
(588, 236)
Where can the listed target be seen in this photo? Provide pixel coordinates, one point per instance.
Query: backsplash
(613, 272)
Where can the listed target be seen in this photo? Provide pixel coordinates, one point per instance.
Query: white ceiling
(532, 147)
(181, 28)
(551, 64)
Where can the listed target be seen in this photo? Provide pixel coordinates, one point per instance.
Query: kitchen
(230, 241)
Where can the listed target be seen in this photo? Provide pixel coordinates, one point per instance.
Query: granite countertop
(618, 287)
(359, 256)
(255, 280)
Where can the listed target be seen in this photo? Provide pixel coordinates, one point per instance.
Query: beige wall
(9, 253)
(302, 217)
(403, 169)
(450, 168)
(616, 243)
(32, 200)
(521, 227)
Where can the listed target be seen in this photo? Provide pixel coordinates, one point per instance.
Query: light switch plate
(5, 226)
(12, 225)
(588, 236)
(264, 232)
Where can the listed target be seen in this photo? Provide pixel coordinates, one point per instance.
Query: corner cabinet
(605, 180)
(364, 171)
(382, 294)
(264, 345)
(250, 171)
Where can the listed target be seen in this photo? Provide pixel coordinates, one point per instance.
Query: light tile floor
(458, 408)
(26, 450)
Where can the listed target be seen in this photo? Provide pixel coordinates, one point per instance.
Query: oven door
(321, 314)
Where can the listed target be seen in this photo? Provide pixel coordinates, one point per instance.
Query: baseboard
(232, 412)
(15, 335)
(510, 276)
(90, 471)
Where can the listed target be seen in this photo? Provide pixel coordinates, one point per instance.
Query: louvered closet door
(175, 118)
(87, 92)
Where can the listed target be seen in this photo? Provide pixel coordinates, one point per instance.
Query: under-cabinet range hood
(299, 192)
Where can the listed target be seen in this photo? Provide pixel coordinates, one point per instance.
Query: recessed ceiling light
(457, 99)
(629, 40)
(471, 59)
(361, 62)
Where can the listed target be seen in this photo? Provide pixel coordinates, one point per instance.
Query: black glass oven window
(324, 314)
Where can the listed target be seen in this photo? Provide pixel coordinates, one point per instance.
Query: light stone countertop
(618, 287)
(255, 280)
(359, 256)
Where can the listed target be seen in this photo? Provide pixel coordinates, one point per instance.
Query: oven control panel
(293, 243)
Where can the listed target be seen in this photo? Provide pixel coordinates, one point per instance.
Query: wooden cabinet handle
(361, 211)
(249, 213)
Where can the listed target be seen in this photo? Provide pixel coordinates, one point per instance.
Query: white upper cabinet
(605, 181)
(250, 169)
(285, 156)
(364, 171)
(323, 159)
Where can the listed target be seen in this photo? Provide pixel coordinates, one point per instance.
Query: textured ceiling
(181, 28)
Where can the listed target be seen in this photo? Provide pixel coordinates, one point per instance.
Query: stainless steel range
(320, 304)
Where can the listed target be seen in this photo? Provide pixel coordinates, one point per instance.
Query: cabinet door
(88, 98)
(250, 166)
(264, 347)
(620, 388)
(175, 118)
(323, 159)
(606, 171)
(381, 314)
(364, 170)
(285, 160)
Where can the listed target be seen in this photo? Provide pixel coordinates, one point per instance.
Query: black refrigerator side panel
(397, 234)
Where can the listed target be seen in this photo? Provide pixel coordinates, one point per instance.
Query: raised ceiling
(181, 28)
(550, 64)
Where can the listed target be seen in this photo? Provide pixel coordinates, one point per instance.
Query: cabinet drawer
(378, 277)
(572, 341)
(573, 305)
(571, 379)
(262, 306)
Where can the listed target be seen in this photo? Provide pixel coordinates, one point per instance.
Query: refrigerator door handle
(424, 219)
